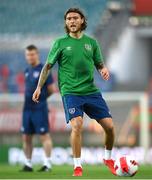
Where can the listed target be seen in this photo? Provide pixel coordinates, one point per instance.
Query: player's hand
(36, 95)
(105, 73)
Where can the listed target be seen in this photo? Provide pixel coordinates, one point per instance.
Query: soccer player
(35, 116)
(77, 54)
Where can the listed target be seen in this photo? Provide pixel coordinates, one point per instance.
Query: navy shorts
(35, 121)
(93, 105)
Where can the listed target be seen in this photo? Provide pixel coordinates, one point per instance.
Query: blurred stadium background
(124, 29)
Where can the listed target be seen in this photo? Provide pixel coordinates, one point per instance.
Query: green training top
(76, 59)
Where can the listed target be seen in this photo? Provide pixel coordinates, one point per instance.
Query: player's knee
(77, 124)
(77, 128)
(45, 138)
(110, 129)
(47, 143)
(27, 139)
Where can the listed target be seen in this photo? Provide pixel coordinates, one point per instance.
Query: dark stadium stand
(41, 17)
(25, 19)
(36, 18)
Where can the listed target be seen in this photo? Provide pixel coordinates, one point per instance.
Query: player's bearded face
(73, 22)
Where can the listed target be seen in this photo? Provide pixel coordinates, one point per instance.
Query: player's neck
(35, 64)
(76, 35)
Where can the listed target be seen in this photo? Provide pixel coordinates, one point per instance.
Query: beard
(68, 30)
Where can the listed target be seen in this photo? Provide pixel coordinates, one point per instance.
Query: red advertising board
(142, 7)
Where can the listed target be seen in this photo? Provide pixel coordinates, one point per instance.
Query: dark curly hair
(76, 10)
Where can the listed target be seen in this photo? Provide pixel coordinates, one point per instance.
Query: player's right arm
(42, 79)
(53, 56)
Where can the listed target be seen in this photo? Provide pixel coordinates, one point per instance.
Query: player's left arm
(103, 70)
(99, 62)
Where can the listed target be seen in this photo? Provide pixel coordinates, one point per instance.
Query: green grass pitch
(65, 172)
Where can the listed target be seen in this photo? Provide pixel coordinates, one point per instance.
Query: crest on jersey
(88, 47)
(72, 110)
(36, 74)
(68, 48)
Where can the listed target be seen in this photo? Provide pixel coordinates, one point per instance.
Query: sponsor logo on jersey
(36, 74)
(69, 48)
(72, 110)
(88, 47)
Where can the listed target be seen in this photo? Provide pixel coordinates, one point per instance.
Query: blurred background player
(35, 116)
(77, 55)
